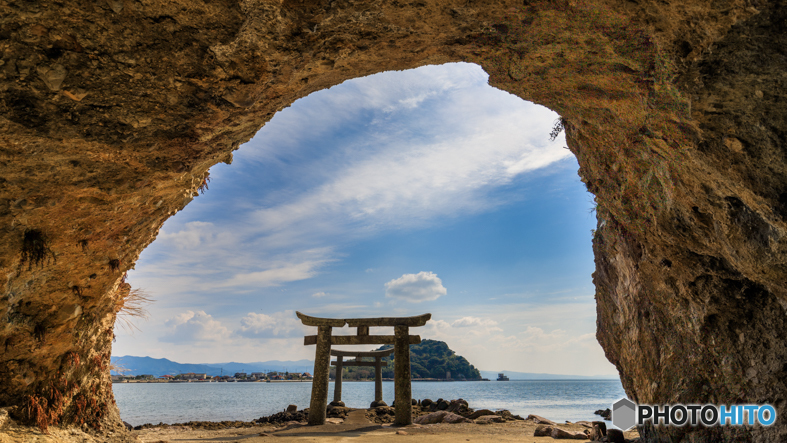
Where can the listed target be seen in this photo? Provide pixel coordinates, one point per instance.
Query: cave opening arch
(690, 233)
(427, 174)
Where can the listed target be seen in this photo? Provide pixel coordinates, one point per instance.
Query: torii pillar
(401, 341)
(378, 372)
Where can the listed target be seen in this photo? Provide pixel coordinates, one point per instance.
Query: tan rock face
(112, 112)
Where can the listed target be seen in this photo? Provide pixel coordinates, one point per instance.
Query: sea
(557, 400)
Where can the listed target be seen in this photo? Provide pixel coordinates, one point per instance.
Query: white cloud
(277, 325)
(196, 235)
(193, 326)
(320, 294)
(424, 286)
(277, 276)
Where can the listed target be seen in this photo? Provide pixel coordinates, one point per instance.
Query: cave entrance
(419, 190)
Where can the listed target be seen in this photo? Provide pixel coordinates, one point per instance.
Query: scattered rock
(382, 414)
(604, 413)
(615, 436)
(543, 431)
(460, 407)
(284, 417)
(506, 415)
(440, 417)
(454, 418)
(599, 431)
(540, 420)
(481, 413)
(400, 432)
(558, 433)
(337, 411)
(488, 419)
(203, 425)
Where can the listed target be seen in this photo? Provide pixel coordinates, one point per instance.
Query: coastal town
(205, 378)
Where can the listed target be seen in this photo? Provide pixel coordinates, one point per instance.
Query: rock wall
(112, 112)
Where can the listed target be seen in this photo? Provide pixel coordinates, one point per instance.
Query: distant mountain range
(161, 366)
(492, 375)
(130, 365)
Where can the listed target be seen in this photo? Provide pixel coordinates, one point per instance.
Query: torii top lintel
(418, 320)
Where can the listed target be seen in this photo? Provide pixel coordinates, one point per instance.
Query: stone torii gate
(401, 341)
(378, 372)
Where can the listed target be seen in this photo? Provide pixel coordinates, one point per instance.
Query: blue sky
(395, 194)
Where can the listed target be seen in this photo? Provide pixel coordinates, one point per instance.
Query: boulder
(615, 436)
(606, 414)
(425, 403)
(488, 419)
(540, 420)
(543, 431)
(507, 415)
(292, 408)
(480, 413)
(337, 411)
(558, 433)
(128, 426)
(599, 430)
(460, 407)
(431, 418)
(454, 418)
(440, 417)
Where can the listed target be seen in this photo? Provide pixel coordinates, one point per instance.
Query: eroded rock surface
(112, 112)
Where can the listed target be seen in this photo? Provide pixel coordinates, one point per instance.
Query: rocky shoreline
(426, 412)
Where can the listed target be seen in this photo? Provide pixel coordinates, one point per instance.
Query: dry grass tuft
(132, 304)
(203, 186)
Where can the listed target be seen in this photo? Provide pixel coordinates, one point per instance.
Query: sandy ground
(355, 428)
(358, 429)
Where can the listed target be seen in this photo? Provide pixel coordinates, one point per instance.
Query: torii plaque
(378, 372)
(401, 341)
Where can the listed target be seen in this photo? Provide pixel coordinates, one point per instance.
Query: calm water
(558, 400)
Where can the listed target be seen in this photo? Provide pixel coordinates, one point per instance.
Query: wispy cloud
(299, 201)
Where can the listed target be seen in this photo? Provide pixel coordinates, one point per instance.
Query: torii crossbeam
(401, 341)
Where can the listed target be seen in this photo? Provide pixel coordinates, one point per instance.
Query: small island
(430, 360)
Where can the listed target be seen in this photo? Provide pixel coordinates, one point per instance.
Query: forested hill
(433, 359)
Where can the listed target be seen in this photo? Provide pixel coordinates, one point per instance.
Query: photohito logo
(626, 414)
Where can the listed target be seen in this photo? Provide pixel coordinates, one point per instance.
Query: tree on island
(428, 359)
